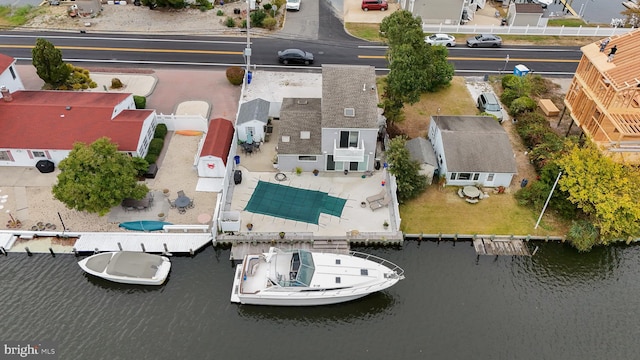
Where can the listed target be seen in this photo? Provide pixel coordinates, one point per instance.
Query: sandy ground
(140, 19)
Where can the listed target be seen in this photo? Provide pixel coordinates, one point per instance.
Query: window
(364, 272)
(348, 139)
(490, 177)
(350, 112)
(38, 154)
(5, 156)
(476, 176)
(285, 138)
(305, 135)
(13, 73)
(453, 176)
(306, 158)
(464, 176)
(337, 280)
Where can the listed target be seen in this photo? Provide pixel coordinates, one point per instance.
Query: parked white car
(293, 5)
(440, 39)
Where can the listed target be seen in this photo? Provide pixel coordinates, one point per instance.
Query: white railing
(525, 30)
(348, 154)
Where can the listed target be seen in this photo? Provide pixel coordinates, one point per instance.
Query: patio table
(471, 192)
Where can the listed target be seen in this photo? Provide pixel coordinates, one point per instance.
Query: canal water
(556, 305)
(593, 11)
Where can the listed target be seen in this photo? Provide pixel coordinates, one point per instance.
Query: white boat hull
(307, 296)
(155, 276)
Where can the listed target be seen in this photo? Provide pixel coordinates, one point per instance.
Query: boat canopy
(301, 269)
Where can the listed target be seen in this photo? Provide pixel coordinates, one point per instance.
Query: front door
(331, 165)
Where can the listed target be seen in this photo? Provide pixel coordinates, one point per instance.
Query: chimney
(6, 95)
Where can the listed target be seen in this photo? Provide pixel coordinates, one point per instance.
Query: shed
(252, 119)
(420, 150)
(215, 149)
(526, 15)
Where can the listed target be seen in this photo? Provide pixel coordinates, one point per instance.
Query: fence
(525, 30)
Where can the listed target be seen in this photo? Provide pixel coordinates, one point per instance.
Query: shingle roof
(5, 62)
(529, 9)
(296, 115)
(256, 109)
(349, 86)
(218, 140)
(420, 150)
(57, 119)
(475, 144)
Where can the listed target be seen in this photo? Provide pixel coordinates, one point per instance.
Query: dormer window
(349, 112)
(305, 135)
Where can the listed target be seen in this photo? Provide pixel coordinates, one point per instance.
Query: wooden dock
(569, 8)
(143, 242)
(503, 246)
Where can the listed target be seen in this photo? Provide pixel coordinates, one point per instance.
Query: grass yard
(417, 115)
(365, 31)
(441, 210)
(17, 16)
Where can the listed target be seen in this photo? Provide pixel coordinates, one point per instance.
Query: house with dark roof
(9, 77)
(337, 132)
(420, 150)
(44, 125)
(253, 117)
(472, 150)
(215, 149)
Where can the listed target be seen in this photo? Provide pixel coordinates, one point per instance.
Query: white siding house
(472, 150)
(253, 116)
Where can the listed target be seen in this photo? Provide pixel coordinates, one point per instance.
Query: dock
(143, 242)
(569, 8)
(487, 246)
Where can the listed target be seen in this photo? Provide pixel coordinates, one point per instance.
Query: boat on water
(128, 267)
(305, 278)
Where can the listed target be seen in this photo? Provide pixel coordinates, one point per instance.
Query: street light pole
(247, 51)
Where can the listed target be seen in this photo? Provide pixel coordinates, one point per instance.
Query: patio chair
(379, 204)
(172, 204)
(190, 206)
(181, 193)
(182, 211)
(376, 197)
(472, 201)
(460, 193)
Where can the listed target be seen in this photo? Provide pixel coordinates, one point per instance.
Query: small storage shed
(215, 149)
(421, 150)
(252, 119)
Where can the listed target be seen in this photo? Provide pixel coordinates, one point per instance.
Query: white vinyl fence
(525, 30)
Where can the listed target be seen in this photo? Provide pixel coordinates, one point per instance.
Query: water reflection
(373, 305)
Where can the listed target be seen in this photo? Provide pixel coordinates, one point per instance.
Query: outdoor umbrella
(45, 166)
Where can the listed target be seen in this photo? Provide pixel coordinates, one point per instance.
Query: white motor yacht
(128, 267)
(305, 278)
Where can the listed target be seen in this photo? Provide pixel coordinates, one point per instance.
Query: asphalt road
(315, 28)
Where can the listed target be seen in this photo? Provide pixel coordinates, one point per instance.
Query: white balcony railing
(350, 154)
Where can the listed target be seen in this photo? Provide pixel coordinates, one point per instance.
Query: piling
(3, 251)
(75, 252)
(142, 246)
(119, 246)
(166, 249)
(28, 251)
(52, 253)
(191, 252)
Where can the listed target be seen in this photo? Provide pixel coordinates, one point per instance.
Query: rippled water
(595, 11)
(556, 305)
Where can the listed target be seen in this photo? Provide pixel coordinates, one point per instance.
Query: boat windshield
(305, 273)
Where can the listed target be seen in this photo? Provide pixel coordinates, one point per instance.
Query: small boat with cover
(128, 267)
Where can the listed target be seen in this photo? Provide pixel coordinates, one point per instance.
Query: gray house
(472, 150)
(252, 119)
(335, 133)
(449, 12)
(420, 150)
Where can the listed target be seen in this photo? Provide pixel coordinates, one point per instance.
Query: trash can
(237, 177)
(524, 183)
(237, 159)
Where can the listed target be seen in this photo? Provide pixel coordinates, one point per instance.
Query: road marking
(217, 52)
(484, 59)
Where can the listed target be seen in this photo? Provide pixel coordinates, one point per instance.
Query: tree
(97, 177)
(407, 171)
(605, 190)
(415, 67)
(48, 63)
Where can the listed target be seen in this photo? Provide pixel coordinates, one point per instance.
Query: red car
(374, 5)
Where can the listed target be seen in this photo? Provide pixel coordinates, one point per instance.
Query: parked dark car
(484, 40)
(295, 56)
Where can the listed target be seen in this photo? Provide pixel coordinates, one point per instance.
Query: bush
(269, 23)
(221, 13)
(508, 95)
(116, 83)
(267, 7)
(235, 75)
(510, 82)
(257, 17)
(583, 235)
(521, 105)
(140, 101)
(204, 5)
(151, 158)
(279, 3)
(161, 131)
(243, 24)
(230, 22)
(155, 146)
